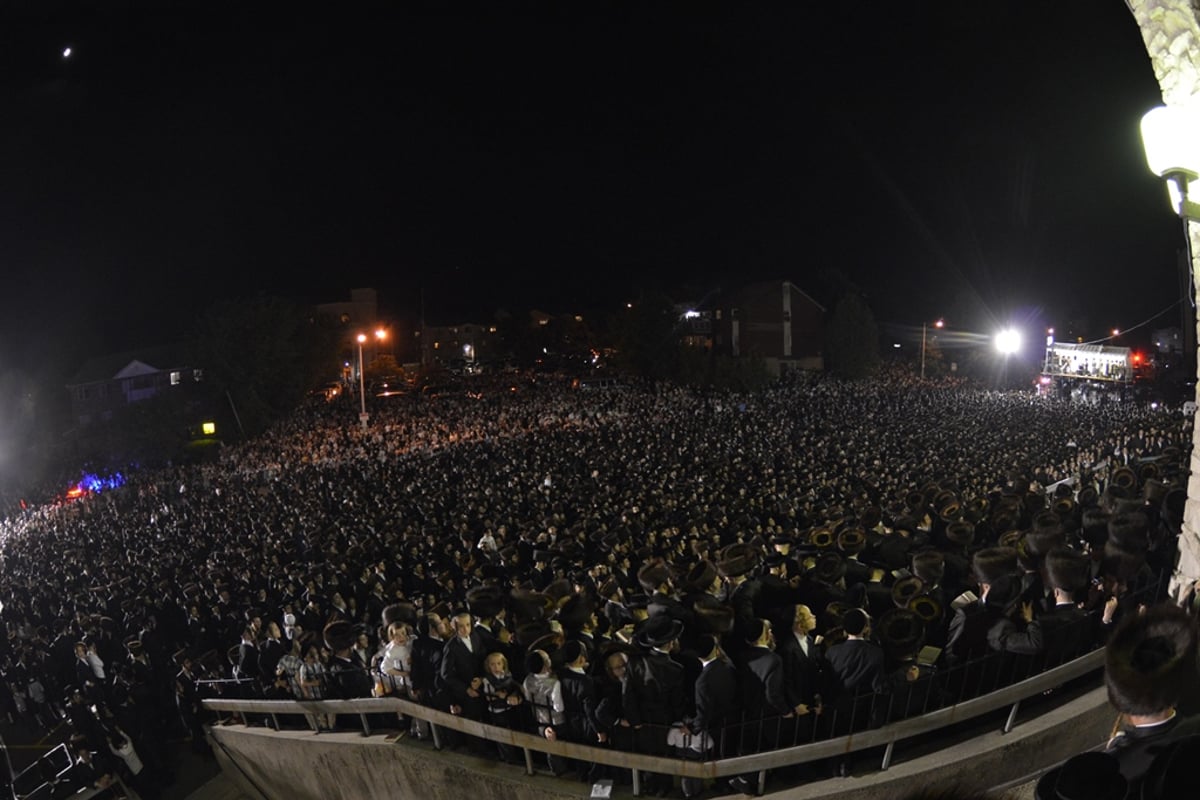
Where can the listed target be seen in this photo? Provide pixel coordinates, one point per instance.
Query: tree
(383, 366)
(852, 339)
(263, 355)
(648, 337)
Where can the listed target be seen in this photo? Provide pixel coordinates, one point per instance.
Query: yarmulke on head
(855, 621)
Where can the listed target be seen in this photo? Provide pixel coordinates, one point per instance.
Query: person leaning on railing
(504, 702)
(716, 703)
(653, 698)
(579, 702)
(543, 691)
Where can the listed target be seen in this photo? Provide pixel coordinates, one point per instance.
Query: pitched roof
(126, 364)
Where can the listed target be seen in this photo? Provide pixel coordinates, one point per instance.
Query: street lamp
(1171, 138)
(939, 324)
(363, 416)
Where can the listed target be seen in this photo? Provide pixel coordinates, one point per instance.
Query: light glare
(1008, 341)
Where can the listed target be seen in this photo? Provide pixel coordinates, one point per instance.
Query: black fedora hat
(658, 631)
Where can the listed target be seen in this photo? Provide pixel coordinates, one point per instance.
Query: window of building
(175, 377)
(197, 375)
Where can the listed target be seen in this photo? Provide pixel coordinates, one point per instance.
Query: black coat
(653, 692)
(858, 666)
(805, 675)
(460, 666)
(716, 697)
(761, 676)
(579, 704)
(1067, 632)
(426, 667)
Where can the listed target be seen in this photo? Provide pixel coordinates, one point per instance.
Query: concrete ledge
(984, 762)
(298, 765)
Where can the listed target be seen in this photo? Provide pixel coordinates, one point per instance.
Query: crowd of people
(650, 568)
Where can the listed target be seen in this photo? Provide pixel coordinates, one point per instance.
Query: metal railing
(46, 778)
(887, 736)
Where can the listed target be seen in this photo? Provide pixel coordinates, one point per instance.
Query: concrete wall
(300, 765)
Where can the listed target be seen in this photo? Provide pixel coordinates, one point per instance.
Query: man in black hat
(579, 701)
(653, 697)
(738, 563)
(997, 573)
(655, 579)
(1150, 661)
(462, 668)
(858, 663)
(347, 678)
(764, 701)
(716, 696)
(1067, 629)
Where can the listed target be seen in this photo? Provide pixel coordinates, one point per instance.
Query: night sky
(972, 160)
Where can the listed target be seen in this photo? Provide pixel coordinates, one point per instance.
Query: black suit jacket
(653, 690)
(579, 703)
(804, 674)
(1068, 632)
(1135, 748)
(762, 684)
(716, 697)
(858, 665)
(460, 666)
(247, 666)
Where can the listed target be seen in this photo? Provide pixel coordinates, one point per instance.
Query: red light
(74, 492)
(1137, 358)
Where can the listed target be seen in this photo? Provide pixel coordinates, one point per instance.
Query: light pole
(939, 324)
(1171, 137)
(363, 416)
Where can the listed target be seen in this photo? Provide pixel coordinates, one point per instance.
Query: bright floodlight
(66, 52)
(1008, 341)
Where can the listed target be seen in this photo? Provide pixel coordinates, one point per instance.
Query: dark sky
(978, 161)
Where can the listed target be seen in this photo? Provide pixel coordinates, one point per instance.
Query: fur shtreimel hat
(653, 575)
(902, 632)
(993, 563)
(485, 602)
(713, 616)
(738, 559)
(1150, 660)
(1067, 569)
(700, 576)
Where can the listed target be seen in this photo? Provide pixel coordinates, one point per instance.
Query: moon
(66, 52)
